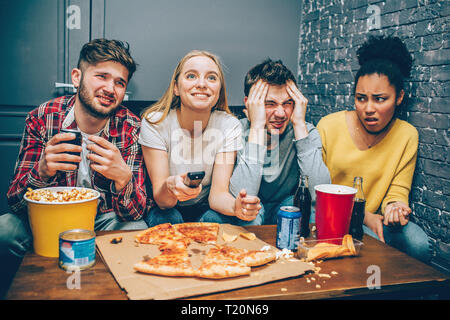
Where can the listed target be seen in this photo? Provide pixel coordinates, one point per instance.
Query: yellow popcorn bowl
(49, 219)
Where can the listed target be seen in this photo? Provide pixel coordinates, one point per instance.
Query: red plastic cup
(334, 205)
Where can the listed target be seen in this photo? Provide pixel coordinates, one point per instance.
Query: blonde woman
(192, 129)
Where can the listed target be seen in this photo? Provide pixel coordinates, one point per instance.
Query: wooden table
(400, 277)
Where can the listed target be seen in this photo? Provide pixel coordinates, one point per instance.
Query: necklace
(378, 135)
(378, 138)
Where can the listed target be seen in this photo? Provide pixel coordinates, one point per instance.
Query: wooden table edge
(342, 293)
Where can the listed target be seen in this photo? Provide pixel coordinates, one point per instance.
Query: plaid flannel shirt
(122, 130)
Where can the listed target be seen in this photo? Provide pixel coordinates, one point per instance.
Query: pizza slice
(172, 262)
(221, 269)
(223, 252)
(254, 258)
(202, 232)
(164, 235)
(218, 266)
(250, 258)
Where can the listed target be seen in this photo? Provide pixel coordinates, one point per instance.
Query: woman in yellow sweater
(371, 142)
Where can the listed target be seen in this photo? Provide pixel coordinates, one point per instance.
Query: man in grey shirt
(279, 145)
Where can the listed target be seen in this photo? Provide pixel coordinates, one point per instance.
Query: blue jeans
(180, 214)
(16, 236)
(410, 239)
(16, 239)
(267, 214)
(195, 213)
(270, 210)
(158, 216)
(213, 216)
(109, 221)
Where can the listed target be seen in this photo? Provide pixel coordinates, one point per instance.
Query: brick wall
(330, 33)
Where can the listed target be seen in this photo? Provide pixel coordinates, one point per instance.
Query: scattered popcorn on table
(285, 254)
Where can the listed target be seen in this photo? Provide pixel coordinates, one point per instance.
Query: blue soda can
(288, 227)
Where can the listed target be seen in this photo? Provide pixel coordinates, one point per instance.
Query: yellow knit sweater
(387, 168)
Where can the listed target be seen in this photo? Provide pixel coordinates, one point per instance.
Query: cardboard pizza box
(121, 257)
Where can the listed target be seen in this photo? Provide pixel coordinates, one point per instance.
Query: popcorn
(46, 195)
(285, 254)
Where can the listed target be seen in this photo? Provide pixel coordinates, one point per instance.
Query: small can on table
(288, 227)
(76, 249)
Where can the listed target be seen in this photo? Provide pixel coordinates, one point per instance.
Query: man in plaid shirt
(109, 160)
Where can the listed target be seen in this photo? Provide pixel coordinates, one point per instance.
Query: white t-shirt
(222, 134)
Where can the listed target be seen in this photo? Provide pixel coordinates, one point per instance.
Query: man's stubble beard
(87, 103)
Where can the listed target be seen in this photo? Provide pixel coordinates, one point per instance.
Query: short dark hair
(101, 50)
(385, 56)
(273, 72)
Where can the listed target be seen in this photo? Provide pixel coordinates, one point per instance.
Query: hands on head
(255, 104)
(299, 113)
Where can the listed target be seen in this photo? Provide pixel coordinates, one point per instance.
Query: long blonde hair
(170, 101)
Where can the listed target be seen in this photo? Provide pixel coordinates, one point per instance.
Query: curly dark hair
(101, 50)
(273, 72)
(387, 56)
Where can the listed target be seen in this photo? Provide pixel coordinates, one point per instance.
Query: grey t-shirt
(84, 169)
(273, 174)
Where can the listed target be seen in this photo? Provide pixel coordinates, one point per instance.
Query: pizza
(226, 252)
(173, 262)
(226, 262)
(165, 236)
(214, 268)
(254, 258)
(220, 262)
(250, 258)
(202, 232)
